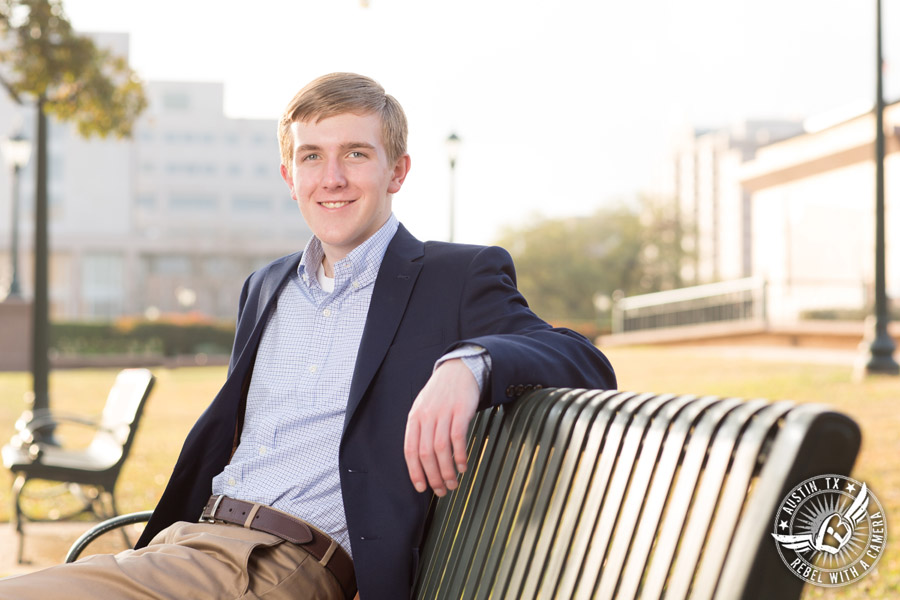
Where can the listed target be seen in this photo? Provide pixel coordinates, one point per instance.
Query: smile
(336, 204)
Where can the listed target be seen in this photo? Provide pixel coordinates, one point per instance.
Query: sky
(563, 107)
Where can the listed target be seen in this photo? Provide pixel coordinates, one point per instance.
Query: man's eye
(357, 154)
(311, 157)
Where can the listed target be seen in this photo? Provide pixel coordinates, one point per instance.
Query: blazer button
(538, 387)
(520, 389)
(510, 391)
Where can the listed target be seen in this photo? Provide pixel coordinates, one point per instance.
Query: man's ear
(401, 169)
(286, 175)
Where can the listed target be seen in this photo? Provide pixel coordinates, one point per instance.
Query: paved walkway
(793, 354)
(46, 544)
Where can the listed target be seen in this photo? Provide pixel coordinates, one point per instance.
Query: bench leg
(18, 517)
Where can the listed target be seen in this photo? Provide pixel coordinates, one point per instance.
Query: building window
(176, 101)
(54, 202)
(221, 266)
(193, 202)
(246, 203)
(102, 285)
(170, 265)
(191, 169)
(146, 201)
(56, 168)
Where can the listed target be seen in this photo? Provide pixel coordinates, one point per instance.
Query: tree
(65, 75)
(563, 264)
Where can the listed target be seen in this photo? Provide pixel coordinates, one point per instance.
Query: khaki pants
(187, 561)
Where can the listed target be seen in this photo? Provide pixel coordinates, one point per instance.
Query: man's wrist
(476, 358)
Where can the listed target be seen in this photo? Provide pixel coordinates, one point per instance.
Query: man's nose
(334, 175)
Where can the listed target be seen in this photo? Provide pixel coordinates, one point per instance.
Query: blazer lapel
(271, 284)
(393, 286)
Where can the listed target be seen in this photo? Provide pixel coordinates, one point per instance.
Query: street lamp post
(453, 143)
(881, 349)
(16, 150)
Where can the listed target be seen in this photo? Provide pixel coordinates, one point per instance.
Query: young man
(357, 367)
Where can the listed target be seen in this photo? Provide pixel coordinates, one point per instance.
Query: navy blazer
(428, 299)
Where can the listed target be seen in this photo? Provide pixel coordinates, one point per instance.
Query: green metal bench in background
(607, 494)
(84, 477)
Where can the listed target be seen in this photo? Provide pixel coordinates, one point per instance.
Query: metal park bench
(607, 494)
(81, 477)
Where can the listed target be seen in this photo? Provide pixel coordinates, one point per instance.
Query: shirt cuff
(475, 358)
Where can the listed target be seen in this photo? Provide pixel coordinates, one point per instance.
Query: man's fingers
(458, 433)
(443, 451)
(428, 459)
(421, 461)
(411, 452)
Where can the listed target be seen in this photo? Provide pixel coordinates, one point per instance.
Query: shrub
(145, 337)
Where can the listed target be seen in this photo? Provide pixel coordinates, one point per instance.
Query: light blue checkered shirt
(288, 454)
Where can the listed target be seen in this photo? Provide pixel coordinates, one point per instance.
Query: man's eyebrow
(347, 146)
(352, 145)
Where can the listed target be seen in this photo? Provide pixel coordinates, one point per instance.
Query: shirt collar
(360, 266)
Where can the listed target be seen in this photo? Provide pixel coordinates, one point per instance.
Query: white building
(814, 209)
(172, 220)
(703, 183)
(210, 204)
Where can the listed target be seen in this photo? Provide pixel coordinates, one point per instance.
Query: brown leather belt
(263, 518)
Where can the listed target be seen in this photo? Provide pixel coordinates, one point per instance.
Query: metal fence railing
(736, 300)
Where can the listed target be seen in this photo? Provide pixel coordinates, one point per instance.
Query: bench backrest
(122, 414)
(607, 494)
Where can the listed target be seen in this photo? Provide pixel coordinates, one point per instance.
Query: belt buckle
(212, 514)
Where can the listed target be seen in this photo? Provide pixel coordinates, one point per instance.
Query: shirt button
(356, 284)
(327, 312)
(262, 450)
(232, 482)
(313, 368)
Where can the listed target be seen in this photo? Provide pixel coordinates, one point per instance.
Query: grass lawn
(181, 395)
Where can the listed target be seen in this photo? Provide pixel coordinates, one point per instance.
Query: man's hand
(435, 444)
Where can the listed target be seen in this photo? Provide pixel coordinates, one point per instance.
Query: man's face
(342, 180)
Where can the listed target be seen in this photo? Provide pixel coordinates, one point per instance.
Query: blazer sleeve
(526, 352)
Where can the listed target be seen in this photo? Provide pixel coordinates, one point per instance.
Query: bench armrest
(108, 525)
(29, 423)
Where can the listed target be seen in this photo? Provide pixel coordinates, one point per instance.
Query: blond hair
(337, 94)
